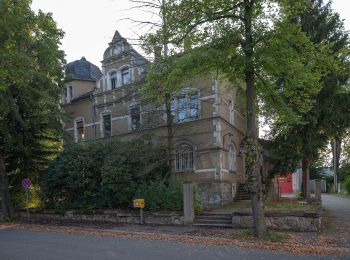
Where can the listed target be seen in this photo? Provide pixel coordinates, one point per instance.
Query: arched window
(113, 78)
(232, 154)
(184, 158)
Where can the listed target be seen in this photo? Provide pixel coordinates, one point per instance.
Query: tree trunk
(170, 128)
(305, 177)
(169, 116)
(252, 146)
(336, 150)
(7, 209)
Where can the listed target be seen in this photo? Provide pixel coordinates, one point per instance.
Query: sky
(89, 25)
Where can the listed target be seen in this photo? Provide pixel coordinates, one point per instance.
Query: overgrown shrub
(198, 206)
(110, 174)
(347, 184)
(161, 193)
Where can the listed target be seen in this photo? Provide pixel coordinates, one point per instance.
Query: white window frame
(187, 94)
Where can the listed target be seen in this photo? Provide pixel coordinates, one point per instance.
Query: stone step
(206, 213)
(218, 218)
(211, 221)
(248, 197)
(207, 225)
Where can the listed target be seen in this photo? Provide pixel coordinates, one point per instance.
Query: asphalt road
(336, 206)
(23, 244)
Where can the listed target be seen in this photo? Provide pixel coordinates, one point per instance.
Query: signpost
(26, 184)
(140, 203)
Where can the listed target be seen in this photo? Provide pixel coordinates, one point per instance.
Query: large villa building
(208, 115)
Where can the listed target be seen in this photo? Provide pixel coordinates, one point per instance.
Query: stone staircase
(242, 193)
(213, 220)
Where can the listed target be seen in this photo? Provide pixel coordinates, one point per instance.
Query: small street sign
(139, 203)
(26, 183)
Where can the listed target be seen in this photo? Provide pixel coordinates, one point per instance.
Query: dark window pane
(113, 77)
(135, 118)
(107, 126)
(80, 130)
(70, 92)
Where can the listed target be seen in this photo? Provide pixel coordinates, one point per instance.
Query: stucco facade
(208, 116)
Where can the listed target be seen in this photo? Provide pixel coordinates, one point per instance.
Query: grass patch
(278, 205)
(288, 205)
(271, 236)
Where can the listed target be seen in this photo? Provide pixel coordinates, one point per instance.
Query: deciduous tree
(30, 85)
(249, 41)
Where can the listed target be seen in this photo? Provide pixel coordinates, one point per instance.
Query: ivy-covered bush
(109, 174)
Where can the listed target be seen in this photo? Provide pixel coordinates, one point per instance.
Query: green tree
(31, 74)
(249, 41)
(329, 115)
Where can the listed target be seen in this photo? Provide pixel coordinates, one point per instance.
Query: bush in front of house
(161, 193)
(110, 174)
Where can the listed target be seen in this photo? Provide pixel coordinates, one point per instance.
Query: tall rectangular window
(125, 76)
(231, 158)
(182, 108)
(65, 95)
(80, 131)
(107, 126)
(70, 95)
(193, 106)
(135, 118)
(231, 112)
(113, 77)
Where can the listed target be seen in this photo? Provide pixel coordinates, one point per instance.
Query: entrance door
(286, 183)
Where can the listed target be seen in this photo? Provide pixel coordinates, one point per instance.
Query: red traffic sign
(26, 183)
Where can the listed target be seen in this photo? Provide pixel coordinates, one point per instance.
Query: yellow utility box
(139, 203)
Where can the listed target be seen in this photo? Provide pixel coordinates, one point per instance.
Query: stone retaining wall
(113, 216)
(290, 221)
(295, 221)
